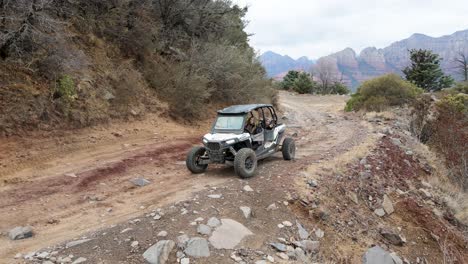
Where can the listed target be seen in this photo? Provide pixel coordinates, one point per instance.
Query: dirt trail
(76, 184)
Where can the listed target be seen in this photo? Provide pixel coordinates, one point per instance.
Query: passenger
(251, 125)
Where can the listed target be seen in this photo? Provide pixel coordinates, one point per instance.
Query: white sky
(316, 28)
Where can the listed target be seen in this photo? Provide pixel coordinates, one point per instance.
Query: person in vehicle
(251, 125)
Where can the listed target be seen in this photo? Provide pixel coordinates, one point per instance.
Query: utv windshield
(229, 122)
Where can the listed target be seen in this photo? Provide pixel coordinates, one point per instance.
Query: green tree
(425, 71)
(289, 79)
(303, 84)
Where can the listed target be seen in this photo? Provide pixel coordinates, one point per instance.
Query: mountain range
(277, 65)
(355, 68)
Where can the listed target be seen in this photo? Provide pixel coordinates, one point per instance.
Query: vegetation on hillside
(443, 124)
(382, 92)
(82, 62)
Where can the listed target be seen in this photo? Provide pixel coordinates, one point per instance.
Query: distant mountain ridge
(276, 64)
(372, 62)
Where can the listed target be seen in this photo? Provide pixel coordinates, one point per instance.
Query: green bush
(303, 84)
(382, 92)
(66, 88)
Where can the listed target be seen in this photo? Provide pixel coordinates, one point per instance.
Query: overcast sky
(315, 28)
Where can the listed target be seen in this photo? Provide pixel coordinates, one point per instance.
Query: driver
(252, 124)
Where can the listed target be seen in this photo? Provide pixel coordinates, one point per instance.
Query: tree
(425, 71)
(327, 74)
(303, 84)
(289, 79)
(461, 65)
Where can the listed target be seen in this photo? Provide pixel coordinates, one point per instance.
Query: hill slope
(66, 64)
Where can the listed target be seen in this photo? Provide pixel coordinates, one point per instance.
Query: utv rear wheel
(193, 160)
(289, 149)
(245, 163)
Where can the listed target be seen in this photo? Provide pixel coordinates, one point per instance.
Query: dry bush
(450, 136)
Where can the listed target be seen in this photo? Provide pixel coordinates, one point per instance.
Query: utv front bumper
(218, 152)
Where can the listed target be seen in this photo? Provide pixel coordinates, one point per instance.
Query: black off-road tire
(288, 149)
(245, 163)
(192, 160)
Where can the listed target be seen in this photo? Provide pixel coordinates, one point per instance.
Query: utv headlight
(231, 141)
(205, 141)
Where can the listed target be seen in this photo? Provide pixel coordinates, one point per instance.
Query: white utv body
(236, 139)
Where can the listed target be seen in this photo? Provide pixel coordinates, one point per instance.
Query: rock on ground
(76, 242)
(309, 246)
(272, 207)
(380, 212)
(197, 247)
(387, 205)
(377, 255)
(247, 188)
(303, 234)
(20, 232)
(140, 182)
(79, 260)
(229, 234)
(213, 222)
(279, 247)
(204, 230)
(159, 253)
(246, 211)
(392, 237)
(182, 241)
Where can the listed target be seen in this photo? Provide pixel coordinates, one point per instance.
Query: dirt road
(75, 184)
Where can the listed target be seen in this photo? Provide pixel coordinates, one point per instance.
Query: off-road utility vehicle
(242, 135)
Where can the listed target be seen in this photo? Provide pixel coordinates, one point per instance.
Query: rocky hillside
(371, 62)
(277, 65)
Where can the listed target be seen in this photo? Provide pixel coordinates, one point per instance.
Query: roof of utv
(242, 109)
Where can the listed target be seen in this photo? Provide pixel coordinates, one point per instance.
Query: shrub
(303, 84)
(339, 88)
(461, 87)
(381, 92)
(65, 88)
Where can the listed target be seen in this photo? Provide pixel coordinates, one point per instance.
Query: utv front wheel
(288, 149)
(245, 163)
(193, 160)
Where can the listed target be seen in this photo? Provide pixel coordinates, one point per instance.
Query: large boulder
(159, 253)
